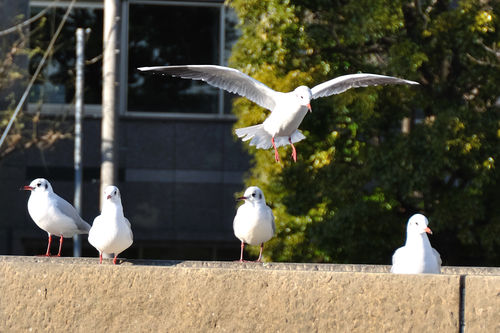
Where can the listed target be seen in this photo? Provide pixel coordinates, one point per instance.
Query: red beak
(309, 107)
(241, 198)
(428, 230)
(108, 197)
(27, 188)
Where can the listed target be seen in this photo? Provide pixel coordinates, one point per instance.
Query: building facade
(180, 164)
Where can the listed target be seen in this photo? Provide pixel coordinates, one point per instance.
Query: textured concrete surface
(78, 295)
(482, 304)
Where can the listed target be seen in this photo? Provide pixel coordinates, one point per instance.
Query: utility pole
(109, 133)
(80, 79)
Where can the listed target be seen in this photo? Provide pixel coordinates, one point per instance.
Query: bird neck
(417, 240)
(112, 209)
(257, 204)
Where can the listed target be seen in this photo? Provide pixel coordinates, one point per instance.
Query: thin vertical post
(80, 55)
(109, 135)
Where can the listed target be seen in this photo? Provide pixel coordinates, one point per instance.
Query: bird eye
(39, 184)
(416, 223)
(253, 194)
(114, 193)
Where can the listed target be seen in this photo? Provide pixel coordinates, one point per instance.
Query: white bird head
(112, 193)
(304, 96)
(418, 224)
(39, 185)
(253, 194)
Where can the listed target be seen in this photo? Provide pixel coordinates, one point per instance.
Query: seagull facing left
(254, 220)
(417, 255)
(52, 213)
(111, 231)
(287, 109)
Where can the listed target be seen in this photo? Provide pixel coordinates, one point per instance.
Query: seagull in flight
(287, 109)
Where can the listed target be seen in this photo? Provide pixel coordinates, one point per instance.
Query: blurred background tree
(29, 129)
(375, 156)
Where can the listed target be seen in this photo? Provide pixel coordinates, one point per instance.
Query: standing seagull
(254, 220)
(287, 109)
(52, 213)
(417, 256)
(111, 231)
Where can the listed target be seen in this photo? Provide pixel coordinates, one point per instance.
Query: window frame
(95, 110)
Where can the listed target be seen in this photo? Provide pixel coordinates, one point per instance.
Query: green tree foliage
(375, 156)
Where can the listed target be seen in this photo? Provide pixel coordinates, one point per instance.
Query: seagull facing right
(287, 109)
(254, 220)
(417, 256)
(111, 231)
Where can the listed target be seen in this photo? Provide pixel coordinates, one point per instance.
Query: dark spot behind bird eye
(260, 196)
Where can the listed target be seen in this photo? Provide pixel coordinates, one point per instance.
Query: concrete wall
(78, 295)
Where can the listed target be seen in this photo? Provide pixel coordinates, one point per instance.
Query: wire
(28, 21)
(37, 72)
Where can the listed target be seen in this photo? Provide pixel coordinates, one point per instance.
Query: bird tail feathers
(261, 139)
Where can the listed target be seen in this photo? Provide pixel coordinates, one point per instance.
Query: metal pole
(80, 41)
(109, 137)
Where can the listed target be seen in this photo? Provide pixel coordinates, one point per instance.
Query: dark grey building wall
(178, 180)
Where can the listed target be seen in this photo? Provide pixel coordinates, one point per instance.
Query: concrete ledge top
(447, 270)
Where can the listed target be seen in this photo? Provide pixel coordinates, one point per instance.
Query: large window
(152, 33)
(173, 33)
(56, 84)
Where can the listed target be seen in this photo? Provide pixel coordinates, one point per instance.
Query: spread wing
(345, 82)
(229, 79)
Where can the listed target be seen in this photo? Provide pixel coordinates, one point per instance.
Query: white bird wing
(396, 259)
(229, 79)
(67, 209)
(273, 225)
(438, 256)
(345, 82)
(129, 228)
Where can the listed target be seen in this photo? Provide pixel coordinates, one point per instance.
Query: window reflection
(56, 84)
(171, 35)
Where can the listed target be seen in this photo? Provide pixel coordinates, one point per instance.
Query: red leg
(60, 246)
(260, 254)
(100, 257)
(294, 152)
(114, 260)
(276, 155)
(242, 248)
(47, 254)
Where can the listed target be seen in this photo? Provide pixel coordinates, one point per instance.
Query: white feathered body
(416, 257)
(282, 124)
(55, 215)
(254, 223)
(111, 231)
